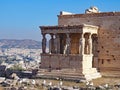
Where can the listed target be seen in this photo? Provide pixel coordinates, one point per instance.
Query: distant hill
(12, 43)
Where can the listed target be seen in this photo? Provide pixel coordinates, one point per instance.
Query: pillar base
(91, 74)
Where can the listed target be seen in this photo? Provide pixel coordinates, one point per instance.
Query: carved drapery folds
(81, 44)
(68, 44)
(44, 43)
(51, 44)
(86, 44)
(57, 43)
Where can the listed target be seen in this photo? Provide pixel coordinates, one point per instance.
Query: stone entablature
(69, 29)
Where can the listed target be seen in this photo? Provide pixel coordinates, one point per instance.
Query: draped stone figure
(68, 44)
(44, 44)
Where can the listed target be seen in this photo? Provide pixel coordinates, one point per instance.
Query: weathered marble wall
(108, 35)
(61, 61)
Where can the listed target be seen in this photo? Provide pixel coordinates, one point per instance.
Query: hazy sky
(20, 19)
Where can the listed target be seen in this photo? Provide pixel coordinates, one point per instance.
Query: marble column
(44, 43)
(81, 44)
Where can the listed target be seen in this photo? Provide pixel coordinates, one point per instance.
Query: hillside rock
(27, 44)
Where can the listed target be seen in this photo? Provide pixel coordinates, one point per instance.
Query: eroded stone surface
(86, 41)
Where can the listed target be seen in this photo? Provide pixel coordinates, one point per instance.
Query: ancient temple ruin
(81, 45)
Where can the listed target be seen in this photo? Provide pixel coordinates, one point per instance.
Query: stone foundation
(71, 67)
(67, 74)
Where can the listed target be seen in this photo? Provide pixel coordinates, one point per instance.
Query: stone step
(90, 71)
(96, 75)
(70, 75)
(64, 76)
(115, 74)
(60, 73)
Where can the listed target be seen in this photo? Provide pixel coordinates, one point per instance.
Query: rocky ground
(45, 84)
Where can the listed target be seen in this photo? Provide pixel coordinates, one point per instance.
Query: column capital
(82, 35)
(52, 35)
(43, 34)
(67, 34)
(90, 36)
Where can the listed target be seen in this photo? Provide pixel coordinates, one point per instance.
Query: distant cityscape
(24, 53)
